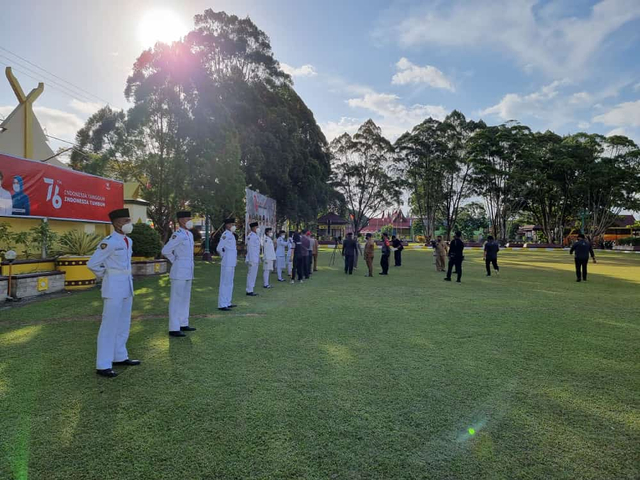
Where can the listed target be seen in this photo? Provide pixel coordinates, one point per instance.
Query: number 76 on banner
(52, 195)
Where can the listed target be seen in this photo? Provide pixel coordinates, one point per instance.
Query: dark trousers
(489, 262)
(397, 256)
(348, 264)
(455, 262)
(299, 267)
(384, 263)
(581, 268)
(309, 264)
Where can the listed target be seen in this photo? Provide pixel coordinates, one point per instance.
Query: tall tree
(362, 173)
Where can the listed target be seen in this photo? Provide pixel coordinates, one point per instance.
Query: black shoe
(488, 274)
(281, 280)
(177, 334)
(578, 280)
(188, 329)
(447, 279)
(224, 309)
(233, 305)
(107, 372)
(266, 286)
(131, 363)
(458, 281)
(252, 294)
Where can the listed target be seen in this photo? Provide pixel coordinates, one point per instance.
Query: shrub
(78, 243)
(146, 241)
(633, 241)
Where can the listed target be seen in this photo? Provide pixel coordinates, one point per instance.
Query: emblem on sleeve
(173, 237)
(103, 246)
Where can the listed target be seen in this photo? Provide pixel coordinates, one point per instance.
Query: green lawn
(339, 378)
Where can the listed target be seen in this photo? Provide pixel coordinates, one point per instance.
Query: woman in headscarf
(21, 205)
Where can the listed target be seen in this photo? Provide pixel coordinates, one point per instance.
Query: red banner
(32, 188)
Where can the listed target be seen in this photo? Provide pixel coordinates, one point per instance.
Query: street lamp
(10, 256)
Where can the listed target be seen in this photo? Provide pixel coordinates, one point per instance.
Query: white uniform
(253, 259)
(281, 256)
(291, 246)
(268, 257)
(179, 251)
(112, 263)
(228, 250)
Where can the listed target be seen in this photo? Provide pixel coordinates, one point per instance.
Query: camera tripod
(332, 260)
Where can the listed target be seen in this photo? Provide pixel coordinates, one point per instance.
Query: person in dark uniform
(396, 243)
(299, 259)
(491, 249)
(456, 249)
(349, 252)
(386, 252)
(582, 250)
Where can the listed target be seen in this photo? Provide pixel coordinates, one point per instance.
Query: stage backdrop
(35, 189)
(260, 209)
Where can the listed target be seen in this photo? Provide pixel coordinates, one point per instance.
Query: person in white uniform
(268, 257)
(228, 251)
(112, 263)
(281, 254)
(253, 258)
(179, 251)
(291, 246)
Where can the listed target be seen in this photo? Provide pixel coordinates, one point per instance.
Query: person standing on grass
(315, 252)
(358, 251)
(309, 253)
(253, 258)
(268, 257)
(386, 253)
(369, 247)
(440, 252)
(281, 254)
(491, 249)
(228, 250)
(306, 244)
(291, 246)
(397, 252)
(298, 259)
(112, 263)
(582, 250)
(179, 251)
(349, 251)
(456, 257)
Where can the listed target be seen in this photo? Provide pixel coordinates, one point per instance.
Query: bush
(146, 241)
(632, 241)
(78, 243)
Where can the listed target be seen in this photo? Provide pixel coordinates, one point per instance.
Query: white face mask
(269, 234)
(282, 236)
(16, 187)
(189, 225)
(233, 228)
(258, 230)
(127, 228)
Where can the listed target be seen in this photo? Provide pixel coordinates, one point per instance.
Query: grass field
(528, 375)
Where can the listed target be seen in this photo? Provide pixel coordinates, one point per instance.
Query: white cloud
(581, 98)
(618, 131)
(411, 73)
(303, 71)
(348, 125)
(514, 106)
(545, 37)
(86, 108)
(55, 122)
(636, 87)
(624, 114)
(584, 125)
(396, 118)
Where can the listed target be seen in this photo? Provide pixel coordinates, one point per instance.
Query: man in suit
(396, 243)
(491, 249)
(582, 250)
(112, 263)
(227, 249)
(349, 251)
(315, 252)
(386, 253)
(305, 241)
(179, 251)
(456, 257)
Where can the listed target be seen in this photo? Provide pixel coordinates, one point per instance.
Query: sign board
(260, 209)
(30, 188)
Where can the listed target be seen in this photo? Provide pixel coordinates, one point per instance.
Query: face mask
(189, 225)
(16, 187)
(233, 229)
(269, 234)
(127, 228)
(258, 230)
(282, 236)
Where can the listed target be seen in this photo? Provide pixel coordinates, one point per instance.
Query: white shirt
(112, 262)
(269, 254)
(6, 203)
(253, 248)
(282, 245)
(228, 249)
(179, 251)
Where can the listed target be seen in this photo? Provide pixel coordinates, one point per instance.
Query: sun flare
(160, 26)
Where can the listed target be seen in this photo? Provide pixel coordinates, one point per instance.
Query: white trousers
(252, 274)
(267, 268)
(280, 263)
(114, 332)
(225, 292)
(179, 304)
(290, 266)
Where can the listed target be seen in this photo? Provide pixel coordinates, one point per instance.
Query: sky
(568, 66)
